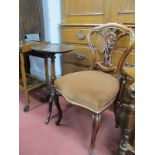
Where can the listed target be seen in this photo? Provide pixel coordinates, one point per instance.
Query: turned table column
(51, 50)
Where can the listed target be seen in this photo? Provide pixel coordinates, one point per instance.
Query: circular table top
(52, 48)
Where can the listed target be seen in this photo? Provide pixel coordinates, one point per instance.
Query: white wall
(52, 20)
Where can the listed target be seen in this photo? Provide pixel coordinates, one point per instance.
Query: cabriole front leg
(95, 125)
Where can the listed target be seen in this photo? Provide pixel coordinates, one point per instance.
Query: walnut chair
(98, 88)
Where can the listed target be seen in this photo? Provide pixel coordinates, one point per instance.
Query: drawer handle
(80, 36)
(80, 56)
(128, 64)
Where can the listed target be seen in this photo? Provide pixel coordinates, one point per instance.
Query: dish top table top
(52, 48)
(43, 47)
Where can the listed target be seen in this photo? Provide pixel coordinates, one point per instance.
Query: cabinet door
(85, 11)
(123, 11)
(98, 11)
(30, 17)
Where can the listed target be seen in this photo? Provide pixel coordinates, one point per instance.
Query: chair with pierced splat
(100, 87)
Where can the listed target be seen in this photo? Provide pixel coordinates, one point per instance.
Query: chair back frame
(111, 33)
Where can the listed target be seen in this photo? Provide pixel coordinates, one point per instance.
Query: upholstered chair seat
(93, 90)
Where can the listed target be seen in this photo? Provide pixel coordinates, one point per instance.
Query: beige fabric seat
(93, 90)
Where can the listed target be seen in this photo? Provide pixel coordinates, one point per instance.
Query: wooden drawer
(71, 64)
(78, 35)
(80, 55)
(74, 35)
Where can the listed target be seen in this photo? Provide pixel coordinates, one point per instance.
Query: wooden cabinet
(78, 17)
(30, 18)
(30, 22)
